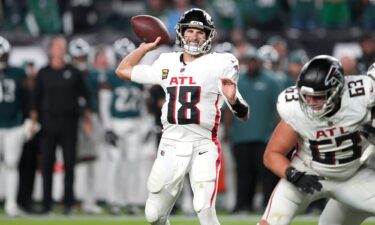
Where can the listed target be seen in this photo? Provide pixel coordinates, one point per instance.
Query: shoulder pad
(287, 102)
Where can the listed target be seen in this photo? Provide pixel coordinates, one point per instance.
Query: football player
(341, 214)
(12, 131)
(121, 106)
(196, 84)
(90, 140)
(322, 116)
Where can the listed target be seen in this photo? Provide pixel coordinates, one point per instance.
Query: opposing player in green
(90, 141)
(13, 131)
(121, 108)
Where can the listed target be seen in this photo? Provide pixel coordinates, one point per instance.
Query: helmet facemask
(324, 103)
(195, 18)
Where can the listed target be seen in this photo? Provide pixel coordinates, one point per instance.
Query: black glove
(111, 138)
(305, 182)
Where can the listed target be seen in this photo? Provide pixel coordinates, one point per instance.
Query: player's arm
(229, 78)
(238, 106)
(125, 68)
(282, 141)
(105, 99)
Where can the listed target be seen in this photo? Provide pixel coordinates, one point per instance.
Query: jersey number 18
(188, 97)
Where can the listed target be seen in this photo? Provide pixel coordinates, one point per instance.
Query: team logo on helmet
(322, 76)
(333, 76)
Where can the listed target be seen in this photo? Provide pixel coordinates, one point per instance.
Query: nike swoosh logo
(201, 153)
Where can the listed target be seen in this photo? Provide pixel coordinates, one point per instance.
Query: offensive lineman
(323, 116)
(196, 84)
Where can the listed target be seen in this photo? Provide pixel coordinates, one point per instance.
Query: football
(148, 28)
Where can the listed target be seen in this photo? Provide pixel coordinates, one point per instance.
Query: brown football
(148, 28)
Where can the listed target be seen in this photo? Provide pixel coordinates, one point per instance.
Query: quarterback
(196, 84)
(322, 118)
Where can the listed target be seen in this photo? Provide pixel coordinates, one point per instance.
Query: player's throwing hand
(152, 45)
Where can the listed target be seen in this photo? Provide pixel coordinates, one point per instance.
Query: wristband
(292, 174)
(240, 109)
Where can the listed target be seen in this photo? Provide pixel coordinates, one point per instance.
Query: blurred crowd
(233, 18)
(42, 16)
(106, 130)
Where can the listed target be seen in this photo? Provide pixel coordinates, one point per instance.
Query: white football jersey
(193, 92)
(332, 146)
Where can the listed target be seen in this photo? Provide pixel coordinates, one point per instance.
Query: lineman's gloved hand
(305, 182)
(111, 138)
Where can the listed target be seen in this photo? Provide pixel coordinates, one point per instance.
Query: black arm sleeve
(240, 109)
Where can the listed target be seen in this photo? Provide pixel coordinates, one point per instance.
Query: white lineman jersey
(193, 92)
(332, 146)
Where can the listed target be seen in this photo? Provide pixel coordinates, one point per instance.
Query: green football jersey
(10, 97)
(126, 97)
(93, 81)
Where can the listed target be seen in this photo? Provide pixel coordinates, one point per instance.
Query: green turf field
(108, 220)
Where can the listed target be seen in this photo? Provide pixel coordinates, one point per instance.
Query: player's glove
(111, 138)
(305, 182)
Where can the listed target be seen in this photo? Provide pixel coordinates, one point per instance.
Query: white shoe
(12, 210)
(91, 208)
